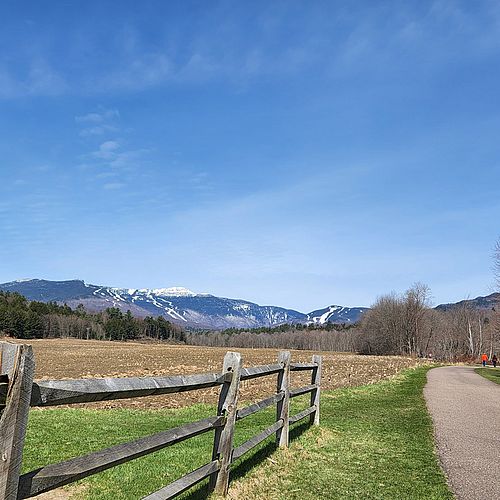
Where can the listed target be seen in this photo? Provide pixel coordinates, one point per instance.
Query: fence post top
(284, 355)
(232, 360)
(233, 354)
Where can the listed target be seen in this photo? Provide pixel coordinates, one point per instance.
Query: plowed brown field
(69, 358)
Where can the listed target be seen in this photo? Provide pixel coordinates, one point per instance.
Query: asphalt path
(465, 409)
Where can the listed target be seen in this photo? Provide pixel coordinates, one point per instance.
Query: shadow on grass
(245, 465)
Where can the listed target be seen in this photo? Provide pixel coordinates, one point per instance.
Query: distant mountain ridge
(177, 304)
(487, 302)
(336, 314)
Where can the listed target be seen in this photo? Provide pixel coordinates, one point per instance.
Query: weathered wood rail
(18, 392)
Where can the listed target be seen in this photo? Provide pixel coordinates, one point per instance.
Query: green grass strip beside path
(492, 374)
(374, 442)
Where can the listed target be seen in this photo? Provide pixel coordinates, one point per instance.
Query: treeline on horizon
(404, 324)
(24, 319)
(397, 324)
(326, 337)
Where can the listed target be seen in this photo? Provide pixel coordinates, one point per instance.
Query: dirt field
(69, 358)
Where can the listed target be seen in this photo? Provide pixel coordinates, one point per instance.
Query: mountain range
(177, 304)
(195, 310)
(486, 303)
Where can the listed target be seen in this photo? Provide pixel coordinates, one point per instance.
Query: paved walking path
(465, 408)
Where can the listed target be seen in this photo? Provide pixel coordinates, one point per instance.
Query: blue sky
(289, 153)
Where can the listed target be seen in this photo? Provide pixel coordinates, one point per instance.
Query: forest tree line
(24, 319)
(328, 337)
(404, 324)
(396, 324)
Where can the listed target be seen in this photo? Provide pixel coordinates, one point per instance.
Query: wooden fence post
(18, 364)
(283, 406)
(223, 441)
(316, 393)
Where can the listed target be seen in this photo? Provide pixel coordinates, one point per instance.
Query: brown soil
(64, 493)
(69, 358)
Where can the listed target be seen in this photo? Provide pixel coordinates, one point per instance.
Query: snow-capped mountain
(336, 314)
(176, 304)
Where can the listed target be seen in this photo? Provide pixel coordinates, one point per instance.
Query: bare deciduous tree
(416, 302)
(495, 327)
(496, 264)
(400, 324)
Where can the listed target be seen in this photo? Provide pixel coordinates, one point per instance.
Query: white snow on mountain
(335, 314)
(174, 291)
(177, 304)
(324, 317)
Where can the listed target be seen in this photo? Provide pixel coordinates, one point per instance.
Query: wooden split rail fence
(18, 392)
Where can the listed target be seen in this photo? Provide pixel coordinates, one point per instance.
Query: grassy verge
(492, 374)
(374, 442)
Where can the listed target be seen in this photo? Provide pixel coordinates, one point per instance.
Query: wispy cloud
(111, 163)
(98, 130)
(111, 186)
(107, 151)
(438, 35)
(98, 116)
(143, 71)
(39, 78)
(44, 79)
(326, 38)
(111, 154)
(99, 122)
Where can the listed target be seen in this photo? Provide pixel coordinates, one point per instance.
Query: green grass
(374, 442)
(492, 374)
(59, 434)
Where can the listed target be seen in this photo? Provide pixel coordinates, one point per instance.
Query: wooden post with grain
(316, 393)
(227, 407)
(283, 406)
(17, 369)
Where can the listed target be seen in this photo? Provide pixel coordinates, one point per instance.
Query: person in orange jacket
(484, 359)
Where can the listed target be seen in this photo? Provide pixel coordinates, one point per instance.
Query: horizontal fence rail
(259, 371)
(18, 392)
(250, 410)
(302, 390)
(55, 475)
(303, 414)
(297, 367)
(253, 442)
(62, 392)
(185, 482)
